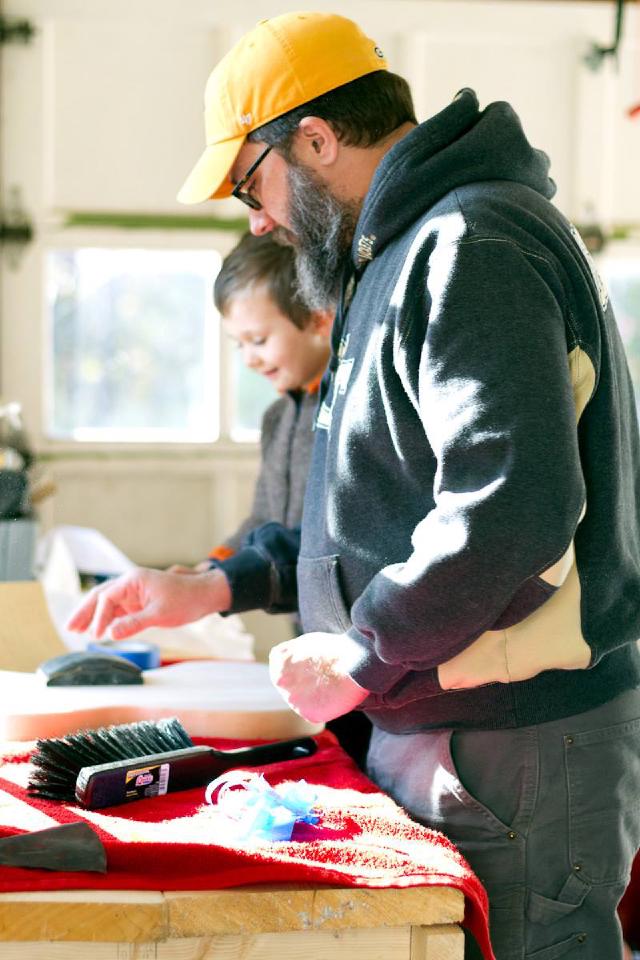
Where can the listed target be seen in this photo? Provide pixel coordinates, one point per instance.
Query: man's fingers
(81, 618)
(125, 627)
(105, 612)
(121, 599)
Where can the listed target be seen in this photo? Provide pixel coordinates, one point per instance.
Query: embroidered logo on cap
(246, 119)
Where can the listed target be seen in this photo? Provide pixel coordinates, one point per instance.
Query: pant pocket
(498, 772)
(573, 946)
(545, 911)
(467, 796)
(603, 781)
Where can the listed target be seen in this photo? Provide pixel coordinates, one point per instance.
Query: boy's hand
(311, 673)
(150, 598)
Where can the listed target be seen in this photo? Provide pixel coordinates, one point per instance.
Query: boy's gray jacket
(286, 439)
(266, 578)
(471, 518)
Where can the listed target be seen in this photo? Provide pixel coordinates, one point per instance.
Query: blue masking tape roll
(144, 655)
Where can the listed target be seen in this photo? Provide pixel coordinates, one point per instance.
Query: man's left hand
(311, 673)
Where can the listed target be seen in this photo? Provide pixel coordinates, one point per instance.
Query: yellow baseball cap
(282, 63)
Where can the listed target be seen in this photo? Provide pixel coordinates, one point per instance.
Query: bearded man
(469, 568)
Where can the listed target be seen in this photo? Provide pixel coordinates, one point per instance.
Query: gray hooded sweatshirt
(472, 514)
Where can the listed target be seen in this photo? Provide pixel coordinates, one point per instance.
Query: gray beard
(323, 227)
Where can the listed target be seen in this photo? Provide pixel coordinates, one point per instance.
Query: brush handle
(266, 752)
(152, 775)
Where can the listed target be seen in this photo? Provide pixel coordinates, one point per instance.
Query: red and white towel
(178, 842)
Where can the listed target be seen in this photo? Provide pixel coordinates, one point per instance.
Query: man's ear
(316, 142)
(322, 321)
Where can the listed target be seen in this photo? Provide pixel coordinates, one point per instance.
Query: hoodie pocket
(321, 601)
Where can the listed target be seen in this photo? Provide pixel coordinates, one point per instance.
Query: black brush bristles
(58, 761)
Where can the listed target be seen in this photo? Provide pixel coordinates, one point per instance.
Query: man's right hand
(150, 598)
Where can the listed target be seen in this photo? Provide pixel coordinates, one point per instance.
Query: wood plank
(437, 943)
(212, 698)
(140, 916)
(110, 915)
(304, 908)
(27, 634)
(390, 944)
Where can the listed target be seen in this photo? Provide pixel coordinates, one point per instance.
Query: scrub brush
(112, 765)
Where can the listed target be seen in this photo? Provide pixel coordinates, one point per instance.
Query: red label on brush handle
(151, 781)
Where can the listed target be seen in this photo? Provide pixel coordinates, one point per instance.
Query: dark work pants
(548, 817)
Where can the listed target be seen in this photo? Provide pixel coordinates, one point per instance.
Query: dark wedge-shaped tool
(71, 847)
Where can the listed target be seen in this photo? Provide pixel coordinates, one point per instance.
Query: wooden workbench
(284, 922)
(248, 923)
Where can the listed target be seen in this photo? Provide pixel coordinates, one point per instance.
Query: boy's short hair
(260, 260)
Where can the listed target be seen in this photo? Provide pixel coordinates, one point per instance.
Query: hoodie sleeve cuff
(249, 576)
(370, 672)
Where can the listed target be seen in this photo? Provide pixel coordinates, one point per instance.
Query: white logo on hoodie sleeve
(603, 296)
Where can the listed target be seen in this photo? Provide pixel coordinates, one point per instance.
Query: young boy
(281, 339)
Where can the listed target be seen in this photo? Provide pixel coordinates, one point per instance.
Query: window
(134, 345)
(135, 351)
(621, 271)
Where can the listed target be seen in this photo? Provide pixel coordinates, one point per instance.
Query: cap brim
(209, 179)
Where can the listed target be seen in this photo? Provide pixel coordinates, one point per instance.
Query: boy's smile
(272, 345)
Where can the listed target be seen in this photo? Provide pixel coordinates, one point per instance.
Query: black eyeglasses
(244, 195)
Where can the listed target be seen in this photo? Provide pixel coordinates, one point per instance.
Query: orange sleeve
(221, 553)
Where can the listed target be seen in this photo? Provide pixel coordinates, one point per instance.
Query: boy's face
(271, 344)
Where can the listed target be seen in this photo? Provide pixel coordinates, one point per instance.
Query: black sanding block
(88, 669)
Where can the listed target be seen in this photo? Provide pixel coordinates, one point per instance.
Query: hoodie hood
(458, 146)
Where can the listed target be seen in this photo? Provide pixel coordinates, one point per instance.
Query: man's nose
(260, 222)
